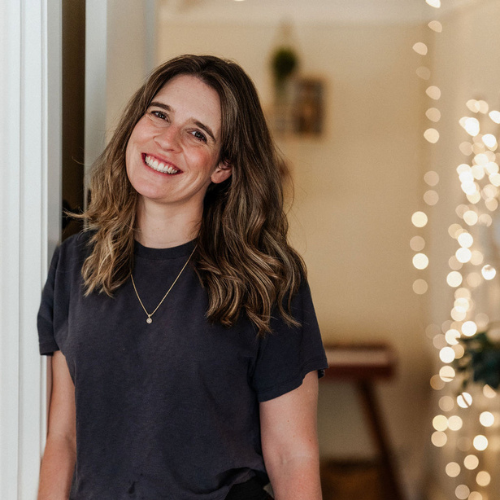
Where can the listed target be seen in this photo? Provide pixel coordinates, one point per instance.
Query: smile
(159, 166)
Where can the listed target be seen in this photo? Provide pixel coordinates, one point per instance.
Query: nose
(168, 138)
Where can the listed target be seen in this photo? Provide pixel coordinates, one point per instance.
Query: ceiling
(331, 11)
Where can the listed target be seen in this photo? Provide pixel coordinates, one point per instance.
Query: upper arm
(289, 422)
(62, 412)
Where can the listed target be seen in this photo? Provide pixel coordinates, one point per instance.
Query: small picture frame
(299, 108)
(308, 107)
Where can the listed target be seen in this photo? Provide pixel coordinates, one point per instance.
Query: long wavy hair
(243, 258)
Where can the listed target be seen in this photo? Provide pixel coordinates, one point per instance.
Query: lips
(159, 165)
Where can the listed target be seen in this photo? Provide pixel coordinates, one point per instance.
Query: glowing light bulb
(463, 255)
(452, 469)
(451, 337)
(417, 243)
(476, 258)
(471, 462)
(431, 197)
(447, 354)
(420, 48)
(471, 126)
(469, 328)
(436, 383)
(440, 423)
(489, 392)
(420, 261)
(495, 116)
(490, 141)
(436, 26)
(455, 423)
(480, 442)
(464, 400)
(465, 240)
(483, 478)
(434, 93)
(447, 374)
(439, 439)
(419, 219)
(454, 279)
(431, 178)
(471, 218)
(446, 403)
(420, 286)
(462, 492)
(488, 272)
(487, 418)
(431, 135)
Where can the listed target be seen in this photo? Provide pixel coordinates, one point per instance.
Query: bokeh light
(419, 219)
(452, 469)
(471, 462)
(439, 439)
(420, 286)
(464, 400)
(480, 442)
(487, 419)
(483, 478)
(454, 279)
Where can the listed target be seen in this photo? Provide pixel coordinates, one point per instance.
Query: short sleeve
(45, 319)
(288, 353)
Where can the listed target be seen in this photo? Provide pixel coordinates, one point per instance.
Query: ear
(222, 172)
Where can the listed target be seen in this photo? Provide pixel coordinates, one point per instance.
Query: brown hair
(243, 258)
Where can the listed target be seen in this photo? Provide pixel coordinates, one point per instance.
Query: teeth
(159, 166)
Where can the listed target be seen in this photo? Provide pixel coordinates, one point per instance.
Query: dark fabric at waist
(249, 490)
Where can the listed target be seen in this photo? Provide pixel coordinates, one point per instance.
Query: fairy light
(447, 373)
(464, 400)
(487, 419)
(468, 268)
(471, 462)
(462, 492)
(480, 442)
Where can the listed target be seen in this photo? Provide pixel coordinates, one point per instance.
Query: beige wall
(356, 189)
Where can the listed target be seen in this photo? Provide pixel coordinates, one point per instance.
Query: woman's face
(172, 154)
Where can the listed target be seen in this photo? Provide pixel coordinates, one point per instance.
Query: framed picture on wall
(299, 108)
(308, 107)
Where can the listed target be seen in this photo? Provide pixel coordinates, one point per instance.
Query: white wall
(356, 189)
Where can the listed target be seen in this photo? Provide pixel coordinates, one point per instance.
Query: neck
(159, 226)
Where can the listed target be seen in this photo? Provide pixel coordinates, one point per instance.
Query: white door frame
(30, 219)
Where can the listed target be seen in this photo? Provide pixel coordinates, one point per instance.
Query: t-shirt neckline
(163, 253)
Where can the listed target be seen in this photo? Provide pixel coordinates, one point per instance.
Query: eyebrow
(166, 107)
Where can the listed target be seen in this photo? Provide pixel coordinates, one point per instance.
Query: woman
(186, 351)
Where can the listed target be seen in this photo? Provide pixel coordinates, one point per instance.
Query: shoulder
(73, 251)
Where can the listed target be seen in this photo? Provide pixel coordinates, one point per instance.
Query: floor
(350, 481)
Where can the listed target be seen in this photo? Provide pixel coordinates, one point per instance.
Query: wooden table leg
(374, 418)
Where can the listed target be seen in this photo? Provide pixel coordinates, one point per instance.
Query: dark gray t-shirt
(168, 409)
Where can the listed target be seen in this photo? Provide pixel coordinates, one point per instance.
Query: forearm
(295, 479)
(57, 469)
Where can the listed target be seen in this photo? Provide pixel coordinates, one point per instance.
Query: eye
(159, 114)
(198, 135)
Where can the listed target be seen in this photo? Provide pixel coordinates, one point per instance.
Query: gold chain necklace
(149, 320)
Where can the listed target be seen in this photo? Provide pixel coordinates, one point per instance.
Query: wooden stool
(363, 364)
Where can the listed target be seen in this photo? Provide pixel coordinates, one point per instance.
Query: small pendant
(149, 321)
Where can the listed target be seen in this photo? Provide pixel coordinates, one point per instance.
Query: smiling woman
(186, 347)
(173, 153)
